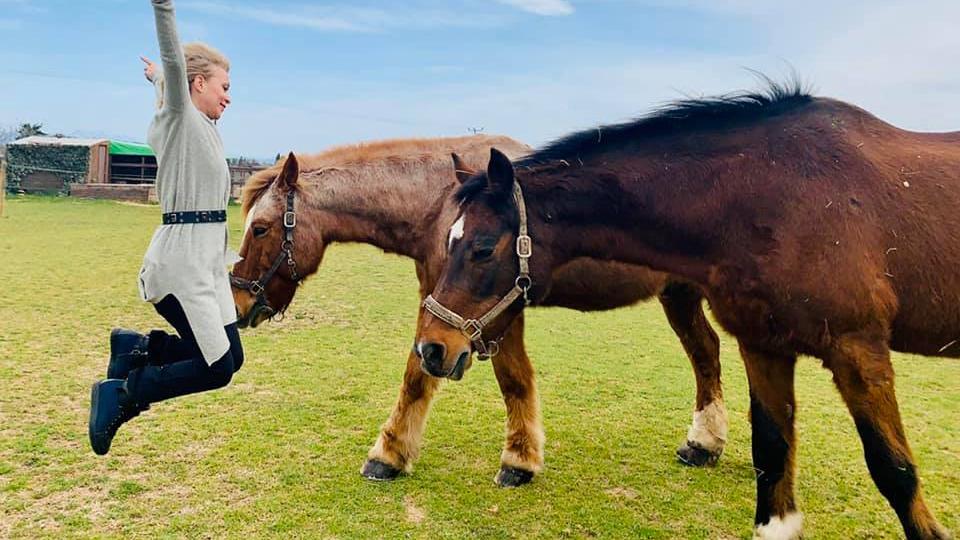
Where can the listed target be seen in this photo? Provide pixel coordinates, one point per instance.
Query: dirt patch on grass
(621, 493)
(415, 514)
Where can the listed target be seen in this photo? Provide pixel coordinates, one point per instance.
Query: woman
(184, 270)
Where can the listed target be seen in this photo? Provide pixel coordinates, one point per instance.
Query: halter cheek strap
(257, 286)
(473, 328)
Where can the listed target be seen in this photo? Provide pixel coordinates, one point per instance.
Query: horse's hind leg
(522, 455)
(772, 408)
(398, 445)
(707, 436)
(864, 375)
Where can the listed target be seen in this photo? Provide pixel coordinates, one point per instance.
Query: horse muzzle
(259, 312)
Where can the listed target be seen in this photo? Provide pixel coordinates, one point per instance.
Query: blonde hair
(200, 59)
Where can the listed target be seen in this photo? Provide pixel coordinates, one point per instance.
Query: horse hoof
(695, 456)
(377, 470)
(512, 477)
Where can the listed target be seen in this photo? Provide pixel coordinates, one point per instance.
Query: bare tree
(28, 130)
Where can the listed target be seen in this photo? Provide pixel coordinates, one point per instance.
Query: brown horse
(396, 195)
(813, 228)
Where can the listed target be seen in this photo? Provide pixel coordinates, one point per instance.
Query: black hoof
(512, 477)
(379, 471)
(694, 455)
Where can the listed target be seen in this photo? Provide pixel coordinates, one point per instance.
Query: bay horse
(812, 227)
(396, 195)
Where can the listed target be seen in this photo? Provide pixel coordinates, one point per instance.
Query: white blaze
(251, 213)
(456, 232)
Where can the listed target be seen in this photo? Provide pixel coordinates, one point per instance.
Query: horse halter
(257, 286)
(473, 328)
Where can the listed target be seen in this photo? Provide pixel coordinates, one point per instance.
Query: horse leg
(864, 375)
(707, 436)
(772, 407)
(398, 445)
(522, 455)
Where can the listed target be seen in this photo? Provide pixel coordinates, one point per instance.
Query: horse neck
(392, 207)
(619, 208)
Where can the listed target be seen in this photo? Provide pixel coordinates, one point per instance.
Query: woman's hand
(150, 69)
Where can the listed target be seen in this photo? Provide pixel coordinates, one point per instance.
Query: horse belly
(592, 285)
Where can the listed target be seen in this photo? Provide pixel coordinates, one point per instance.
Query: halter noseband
(257, 286)
(473, 328)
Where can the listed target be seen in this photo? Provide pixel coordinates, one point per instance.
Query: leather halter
(473, 328)
(257, 286)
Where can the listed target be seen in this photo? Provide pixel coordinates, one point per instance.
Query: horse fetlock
(390, 451)
(786, 527)
(708, 431)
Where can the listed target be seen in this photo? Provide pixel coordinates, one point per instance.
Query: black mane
(675, 117)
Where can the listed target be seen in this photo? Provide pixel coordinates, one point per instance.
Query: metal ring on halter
(493, 349)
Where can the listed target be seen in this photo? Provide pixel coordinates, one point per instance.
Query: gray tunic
(188, 261)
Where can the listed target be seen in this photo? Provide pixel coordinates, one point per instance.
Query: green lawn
(278, 452)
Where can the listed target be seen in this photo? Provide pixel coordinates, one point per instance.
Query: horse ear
(461, 169)
(290, 173)
(499, 172)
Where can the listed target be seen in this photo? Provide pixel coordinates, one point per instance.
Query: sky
(307, 75)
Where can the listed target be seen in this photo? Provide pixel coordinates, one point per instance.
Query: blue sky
(310, 74)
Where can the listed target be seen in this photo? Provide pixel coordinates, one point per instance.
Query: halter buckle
(524, 246)
(256, 288)
(289, 220)
(472, 329)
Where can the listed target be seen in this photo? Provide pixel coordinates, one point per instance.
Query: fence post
(3, 185)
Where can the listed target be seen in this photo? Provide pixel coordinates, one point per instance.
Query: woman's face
(211, 95)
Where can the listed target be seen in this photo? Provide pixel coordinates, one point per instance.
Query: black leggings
(176, 365)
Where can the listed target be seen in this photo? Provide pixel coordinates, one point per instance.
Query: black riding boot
(111, 406)
(128, 351)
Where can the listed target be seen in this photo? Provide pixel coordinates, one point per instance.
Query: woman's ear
(199, 84)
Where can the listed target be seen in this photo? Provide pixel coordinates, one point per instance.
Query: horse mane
(676, 117)
(362, 152)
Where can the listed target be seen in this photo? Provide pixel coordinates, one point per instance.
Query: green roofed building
(95, 168)
(82, 167)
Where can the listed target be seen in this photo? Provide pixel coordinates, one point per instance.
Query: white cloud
(274, 16)
(350, 18)
(542, 7)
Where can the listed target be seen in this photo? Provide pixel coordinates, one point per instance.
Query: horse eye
(259, 232)
(482, 253)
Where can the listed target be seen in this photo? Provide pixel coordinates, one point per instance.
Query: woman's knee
(236, 348)
(221, 371)
(237, 354)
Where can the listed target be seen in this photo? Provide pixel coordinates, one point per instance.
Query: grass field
(278, 452)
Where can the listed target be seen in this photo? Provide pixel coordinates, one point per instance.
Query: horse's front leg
(522, 455)
(864, 375)
(398, 445)
(707, 436)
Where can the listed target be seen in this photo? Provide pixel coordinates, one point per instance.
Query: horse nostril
(431, 353)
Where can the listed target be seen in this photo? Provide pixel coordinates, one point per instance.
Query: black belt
(198, 216)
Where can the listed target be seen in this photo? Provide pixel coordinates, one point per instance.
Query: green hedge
(69, 163)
